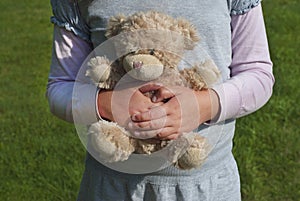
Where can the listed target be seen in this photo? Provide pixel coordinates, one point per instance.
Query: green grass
(41, 157)
(267, 142)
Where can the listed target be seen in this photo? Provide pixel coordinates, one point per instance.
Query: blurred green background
(41, 157)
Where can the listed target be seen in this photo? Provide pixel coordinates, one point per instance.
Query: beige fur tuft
(111, 141)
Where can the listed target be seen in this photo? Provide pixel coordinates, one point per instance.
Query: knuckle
(151, 125)
(142, 125)
(139, 117)
(154, 124)
(162, 134)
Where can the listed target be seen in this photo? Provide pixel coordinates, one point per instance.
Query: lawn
(41, 157)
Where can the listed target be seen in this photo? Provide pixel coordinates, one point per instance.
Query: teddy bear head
(146, 44)
(150, 42)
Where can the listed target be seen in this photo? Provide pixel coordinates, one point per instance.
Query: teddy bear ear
(115, 25)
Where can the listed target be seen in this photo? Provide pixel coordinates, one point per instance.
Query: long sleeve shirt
(248, 89)
(232, 34)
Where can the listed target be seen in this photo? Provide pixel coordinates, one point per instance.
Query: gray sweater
(88, 20)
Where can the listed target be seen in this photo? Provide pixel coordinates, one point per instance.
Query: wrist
(215, 105)
(208, 104)
(104, 104)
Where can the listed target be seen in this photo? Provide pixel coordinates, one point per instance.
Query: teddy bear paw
(195, 155)
(110, 141)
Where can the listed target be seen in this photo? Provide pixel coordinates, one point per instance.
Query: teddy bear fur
(144, 62)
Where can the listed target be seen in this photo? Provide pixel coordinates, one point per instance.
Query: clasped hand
(177, 112)
(171, 112)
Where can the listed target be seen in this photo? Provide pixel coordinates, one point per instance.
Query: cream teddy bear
(151, 46)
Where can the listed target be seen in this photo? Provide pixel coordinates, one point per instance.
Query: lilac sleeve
(68, 54)
(252, 80)
(249, 88)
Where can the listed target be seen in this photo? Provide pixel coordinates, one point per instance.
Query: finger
(149, 125)
(171, 137)
(154, 113)
(145, 134)
(150, 87)
(168, 131)
(162, 94)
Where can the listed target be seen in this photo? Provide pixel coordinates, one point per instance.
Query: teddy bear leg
(110, 141)
(195, 155)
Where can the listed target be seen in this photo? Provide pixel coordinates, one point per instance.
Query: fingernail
(130, 125)
(154, 99)
(137, 134)
(158, 84)
(133, 117)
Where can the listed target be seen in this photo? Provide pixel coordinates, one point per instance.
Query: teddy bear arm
(201, 75)
(115, 74)
(193, 78)
(103, 73)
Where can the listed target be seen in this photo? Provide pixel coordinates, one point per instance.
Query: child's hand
(120, 105)
(183, 111)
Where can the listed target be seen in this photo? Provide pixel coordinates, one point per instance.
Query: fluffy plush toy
(153, 45)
